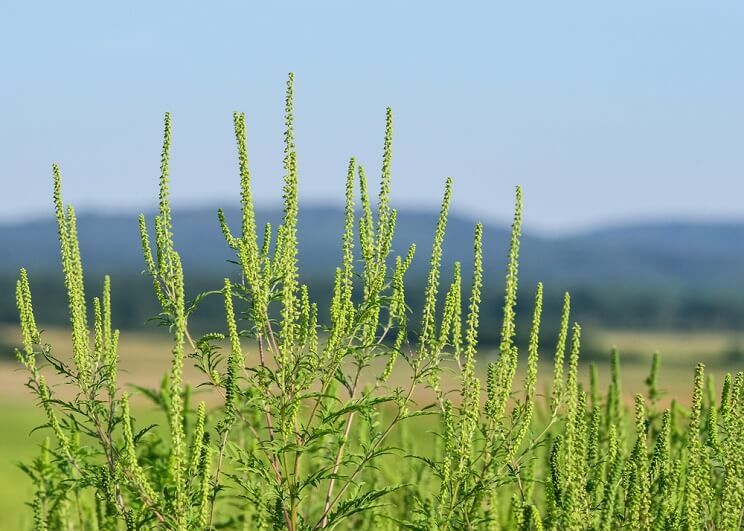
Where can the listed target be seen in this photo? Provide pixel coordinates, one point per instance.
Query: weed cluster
(315, 434)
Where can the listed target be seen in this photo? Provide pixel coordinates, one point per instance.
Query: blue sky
(604, 111)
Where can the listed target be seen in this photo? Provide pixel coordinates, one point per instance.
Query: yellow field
(676, 346)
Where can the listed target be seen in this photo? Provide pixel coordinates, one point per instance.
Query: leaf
(362, 502)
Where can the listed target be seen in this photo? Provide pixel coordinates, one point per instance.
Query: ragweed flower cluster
(373, 416)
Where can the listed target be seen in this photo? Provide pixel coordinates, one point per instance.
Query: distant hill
(654, 275)
(672, 256)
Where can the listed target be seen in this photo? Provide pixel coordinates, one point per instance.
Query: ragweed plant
(314, 422)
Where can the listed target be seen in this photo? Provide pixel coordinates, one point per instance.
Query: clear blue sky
(603, 111)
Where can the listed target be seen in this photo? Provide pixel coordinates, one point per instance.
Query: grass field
(145, 357)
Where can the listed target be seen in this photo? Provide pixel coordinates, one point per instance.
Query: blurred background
(622, 122)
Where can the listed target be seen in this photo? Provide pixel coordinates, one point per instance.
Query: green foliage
(313, 427)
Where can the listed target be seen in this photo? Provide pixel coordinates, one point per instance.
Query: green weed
(314, 434)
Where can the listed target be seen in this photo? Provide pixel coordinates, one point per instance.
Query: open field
(145, 357)
(677, 347)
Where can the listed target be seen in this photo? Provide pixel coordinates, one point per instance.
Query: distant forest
(653, 276)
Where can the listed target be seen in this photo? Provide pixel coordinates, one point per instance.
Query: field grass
(677, 347)
(145, 357)
(17, 444)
